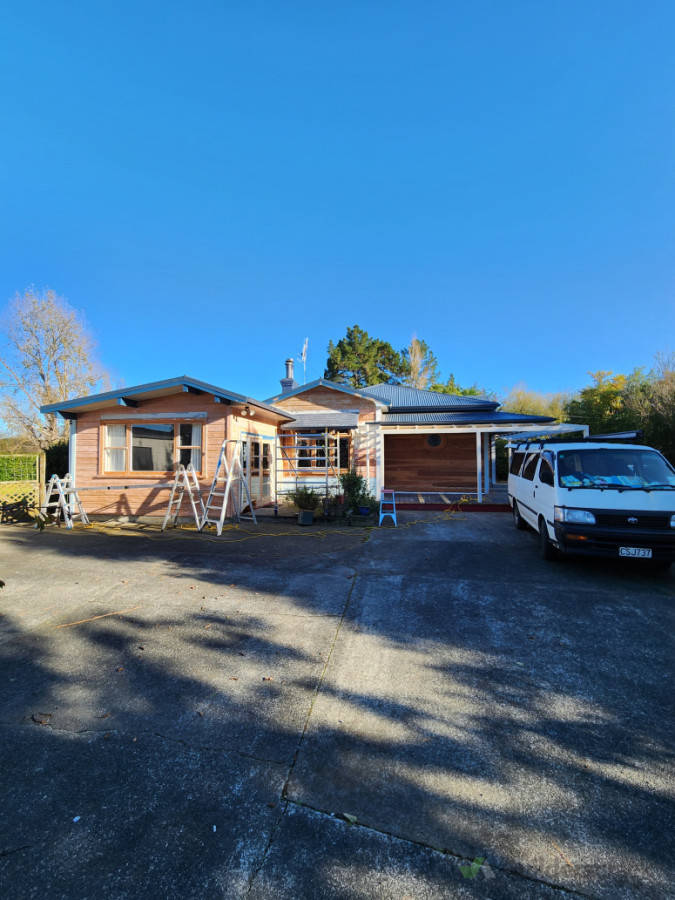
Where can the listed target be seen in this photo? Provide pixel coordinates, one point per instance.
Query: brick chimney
(288, 383)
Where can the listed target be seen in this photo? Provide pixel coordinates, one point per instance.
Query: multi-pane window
(190, 446)
(151, 447)
(315, 452)
(115, 456)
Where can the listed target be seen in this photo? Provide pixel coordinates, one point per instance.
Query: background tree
(422, 365)
(49, 356)
(651, 401)
(359, 360)
(601, 405)
(520, 399)
(452, 387)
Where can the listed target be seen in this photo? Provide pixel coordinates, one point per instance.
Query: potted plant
(354, 487)
(307, 501)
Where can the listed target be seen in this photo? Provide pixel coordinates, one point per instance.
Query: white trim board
(127, 416)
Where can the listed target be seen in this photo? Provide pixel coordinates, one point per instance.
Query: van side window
(530, 466)
(516, 463)
(546, 468)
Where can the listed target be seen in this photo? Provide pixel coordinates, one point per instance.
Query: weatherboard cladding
(322, 420)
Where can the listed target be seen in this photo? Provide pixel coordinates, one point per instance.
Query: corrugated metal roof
(461, 418)
(322, 420)
(400, 397)
(157, 389)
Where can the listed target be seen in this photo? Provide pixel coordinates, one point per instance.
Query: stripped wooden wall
(221, 421)
(411, 464)
(322, 399)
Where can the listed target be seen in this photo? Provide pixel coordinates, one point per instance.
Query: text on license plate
(642, 552)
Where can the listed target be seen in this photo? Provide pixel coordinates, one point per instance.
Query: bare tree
(422, 365)
(48, 356)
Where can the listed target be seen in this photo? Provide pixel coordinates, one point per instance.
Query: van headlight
(573, 516)
(672, 521)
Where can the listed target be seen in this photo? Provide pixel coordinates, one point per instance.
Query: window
(304, 453)
(516, 463)
(530, 466)
(546, 468)
(190, 446)
(151, 447)
(311, 450)
(344, 454)
(115, 454)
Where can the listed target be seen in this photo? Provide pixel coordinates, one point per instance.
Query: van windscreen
(622, 469)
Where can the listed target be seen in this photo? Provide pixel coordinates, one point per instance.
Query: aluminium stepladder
(234, 485)
(388, 506)
(185, 480)
(58, 500)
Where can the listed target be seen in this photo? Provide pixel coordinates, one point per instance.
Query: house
(398, 437)
(126, 444)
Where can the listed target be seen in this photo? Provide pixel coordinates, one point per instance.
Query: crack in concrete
(205, 749)
(284, 789)
(266, 851)
(201, 748)
(319, 685)
(14, 850)
(441, 851)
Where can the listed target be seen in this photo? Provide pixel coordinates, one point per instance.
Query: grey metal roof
(400, 397)
(462, 418)
(322, 420)
(156, 389)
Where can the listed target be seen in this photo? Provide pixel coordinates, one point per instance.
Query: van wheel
(518, 520)
(546, 548)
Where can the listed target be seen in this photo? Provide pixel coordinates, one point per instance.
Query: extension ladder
(58, 498)
(234, 485)
(185, 480)
(388, 506)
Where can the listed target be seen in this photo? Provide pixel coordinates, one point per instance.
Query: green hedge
(56, 460)
(19, 467)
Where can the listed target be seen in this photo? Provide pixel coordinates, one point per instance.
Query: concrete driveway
(293, 713)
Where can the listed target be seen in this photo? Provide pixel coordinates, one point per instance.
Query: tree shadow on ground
(438, 719)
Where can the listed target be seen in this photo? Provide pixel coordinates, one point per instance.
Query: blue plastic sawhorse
(388, 505)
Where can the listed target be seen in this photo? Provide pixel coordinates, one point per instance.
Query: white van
(595, 497)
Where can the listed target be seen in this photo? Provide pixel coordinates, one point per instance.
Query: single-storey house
(125, 445)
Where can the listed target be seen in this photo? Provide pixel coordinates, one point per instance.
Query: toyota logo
(632, 520)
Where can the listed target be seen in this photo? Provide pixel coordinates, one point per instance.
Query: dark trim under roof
(463, 418)
(131, 396)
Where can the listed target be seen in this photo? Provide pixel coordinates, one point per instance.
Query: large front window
(151, 447)
(316, 451)
(614, 468)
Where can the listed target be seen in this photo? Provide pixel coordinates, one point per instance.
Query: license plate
(641, 552)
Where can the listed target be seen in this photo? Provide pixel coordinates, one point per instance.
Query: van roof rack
(591, 439)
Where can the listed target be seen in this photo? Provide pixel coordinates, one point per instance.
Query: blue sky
(212, 183)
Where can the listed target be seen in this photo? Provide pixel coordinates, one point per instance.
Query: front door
(257, 461)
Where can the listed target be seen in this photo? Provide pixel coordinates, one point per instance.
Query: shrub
(305, 498)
